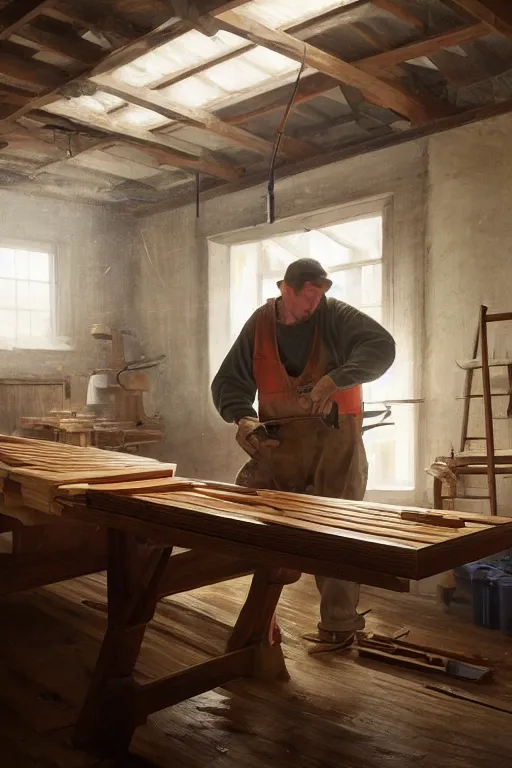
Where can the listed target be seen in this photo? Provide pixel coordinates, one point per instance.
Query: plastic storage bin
(486, 598)
(505, 592)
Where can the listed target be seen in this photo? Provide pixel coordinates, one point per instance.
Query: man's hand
(251, 436)
(321, 396)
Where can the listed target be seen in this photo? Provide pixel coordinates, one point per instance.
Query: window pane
(40, 296)
(269, 289)
(371, 285)
(7, 294)
(327, 251)
(6, 262)
(23, 323)
(39, 266)
(362, 236)
(275, 257)
(40, 324)
(21, 261)
(8, 323)
(346, 286)
(23, 294)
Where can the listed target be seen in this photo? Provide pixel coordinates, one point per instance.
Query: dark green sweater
(362, 350)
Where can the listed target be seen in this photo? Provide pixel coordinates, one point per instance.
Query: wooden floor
(337, 711)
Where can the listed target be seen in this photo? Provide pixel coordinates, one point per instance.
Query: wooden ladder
(485, 365)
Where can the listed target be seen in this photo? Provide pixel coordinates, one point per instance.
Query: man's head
(304, 285)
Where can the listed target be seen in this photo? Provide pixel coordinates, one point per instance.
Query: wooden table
(229, 532)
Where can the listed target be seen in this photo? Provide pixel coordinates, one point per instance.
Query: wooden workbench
(145, 513)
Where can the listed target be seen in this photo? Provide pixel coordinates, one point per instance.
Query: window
(352, 253)
(26, 295)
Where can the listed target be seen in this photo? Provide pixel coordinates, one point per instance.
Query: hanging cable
(271, 212)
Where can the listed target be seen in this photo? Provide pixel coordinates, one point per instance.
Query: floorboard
(337, 711)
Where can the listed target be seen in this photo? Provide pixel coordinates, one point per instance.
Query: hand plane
(331, 421)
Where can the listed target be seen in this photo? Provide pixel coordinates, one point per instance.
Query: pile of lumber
(32, 471)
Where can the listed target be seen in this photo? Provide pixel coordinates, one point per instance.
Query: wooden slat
(425, 47)
(192, 681)
(16, 14)
(71, 46)
(205, 164)
(400, 13)
(157, 37)
(496, 13)
(27, 71)
(385, 94)
(150, 99)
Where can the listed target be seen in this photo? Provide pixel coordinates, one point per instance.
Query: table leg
(257, 623)
(108, 718)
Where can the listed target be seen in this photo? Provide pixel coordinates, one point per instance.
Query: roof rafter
(201, 118)
(391, 95)
(496, 13)
(206, 163)
(16, 15)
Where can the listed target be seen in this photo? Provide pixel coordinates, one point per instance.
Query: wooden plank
(71, 46)
(497, 14)
(150, 99)
(400, 13)
(430, 45)
(206, 163)
(385, 94)
(488, 415)
(152, 697)
(16, 14)
(25, 70)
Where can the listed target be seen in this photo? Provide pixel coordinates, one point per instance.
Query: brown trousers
(324, 462)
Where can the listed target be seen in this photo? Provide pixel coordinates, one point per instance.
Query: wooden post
(109, 715)
(489, 429)
(257, 623)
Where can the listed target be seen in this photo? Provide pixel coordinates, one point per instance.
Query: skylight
(286, 13)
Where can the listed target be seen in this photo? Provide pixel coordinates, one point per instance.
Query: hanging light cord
(271, 213)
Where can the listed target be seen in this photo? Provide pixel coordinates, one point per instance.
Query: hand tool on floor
(422, 658)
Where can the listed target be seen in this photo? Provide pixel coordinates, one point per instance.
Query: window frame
(31, 342)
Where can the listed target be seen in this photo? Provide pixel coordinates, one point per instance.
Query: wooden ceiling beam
(382, 93)
(201, 118)
(206, 164)
(17, 14)
(496, 13)
(426, 47)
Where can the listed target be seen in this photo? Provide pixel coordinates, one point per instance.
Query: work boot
(324, 641)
